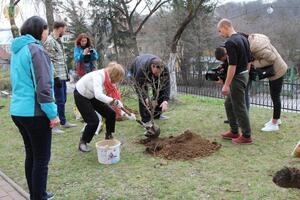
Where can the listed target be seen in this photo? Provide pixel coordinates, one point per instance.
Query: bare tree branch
(16, 2)
(191, 15)
(154, 9)
(134, 9)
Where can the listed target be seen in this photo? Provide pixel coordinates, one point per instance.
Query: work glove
(57, 82)
(131, 116)
(117, 103)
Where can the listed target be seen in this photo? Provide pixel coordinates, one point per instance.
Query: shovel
(152, 131)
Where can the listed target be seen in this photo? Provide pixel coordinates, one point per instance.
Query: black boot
(108, 136)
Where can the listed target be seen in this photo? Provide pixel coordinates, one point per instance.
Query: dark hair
(58, 24)
(220, 52)
(34, 26)
(80, 37)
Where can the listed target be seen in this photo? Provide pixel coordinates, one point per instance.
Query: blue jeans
(37, 136)
(60, 100)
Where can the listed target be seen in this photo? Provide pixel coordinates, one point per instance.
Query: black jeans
(275, 91)
(87, 108)
(37, 136)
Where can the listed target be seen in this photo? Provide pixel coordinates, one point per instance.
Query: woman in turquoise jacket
(84, 56)
(32, 105)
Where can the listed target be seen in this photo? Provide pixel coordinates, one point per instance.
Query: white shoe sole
(269, 130)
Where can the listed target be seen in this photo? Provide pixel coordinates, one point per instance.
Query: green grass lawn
(233, 172)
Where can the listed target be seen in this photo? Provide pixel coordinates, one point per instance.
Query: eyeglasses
(157, 66)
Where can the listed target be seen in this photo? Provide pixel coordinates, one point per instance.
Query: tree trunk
(133, 45)
(49, 14)
(11, 13)
(172, 60)
(172, 68)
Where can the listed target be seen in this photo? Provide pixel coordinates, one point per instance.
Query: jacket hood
(19, 42)
(258, 42)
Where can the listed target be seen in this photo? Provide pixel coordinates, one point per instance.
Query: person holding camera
(55, 50)
(266, 55)
(85, 56)
(238, 52)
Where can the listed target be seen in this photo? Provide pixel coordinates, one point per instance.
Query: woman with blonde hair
(90, 95)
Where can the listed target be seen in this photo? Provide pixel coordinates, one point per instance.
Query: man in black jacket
(148, 70)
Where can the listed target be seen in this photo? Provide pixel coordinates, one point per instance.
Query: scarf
(112, 91)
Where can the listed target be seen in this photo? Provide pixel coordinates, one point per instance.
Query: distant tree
(49, 13)
(192, 8)
(125, 21)
(11, 14)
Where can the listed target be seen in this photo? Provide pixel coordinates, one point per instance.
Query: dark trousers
(247, 94)
(145, 115)
(235, 105)
(275, 90)
(37, 136)
(87, 108)
(60, 100)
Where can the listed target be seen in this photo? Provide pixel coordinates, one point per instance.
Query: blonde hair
(225, 23)
(116, 71)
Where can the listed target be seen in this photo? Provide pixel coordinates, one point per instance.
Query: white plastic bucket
(108, 151)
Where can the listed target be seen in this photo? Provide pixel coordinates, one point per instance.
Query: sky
(240, 1)
(28, 8)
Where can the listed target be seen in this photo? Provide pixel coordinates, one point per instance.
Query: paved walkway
(9, 190)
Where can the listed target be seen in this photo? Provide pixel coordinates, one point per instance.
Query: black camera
(216, 74)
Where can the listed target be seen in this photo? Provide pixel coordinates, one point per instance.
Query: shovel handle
(126, 111)
(129, 113)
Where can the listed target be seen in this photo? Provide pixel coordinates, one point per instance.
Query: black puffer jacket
(140, 71)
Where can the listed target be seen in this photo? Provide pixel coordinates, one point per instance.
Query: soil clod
(183, 147)
(287, 178)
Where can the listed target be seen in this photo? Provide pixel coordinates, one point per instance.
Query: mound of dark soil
(183, 147)
(287, 178)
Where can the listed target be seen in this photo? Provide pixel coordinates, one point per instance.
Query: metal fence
(193, 83)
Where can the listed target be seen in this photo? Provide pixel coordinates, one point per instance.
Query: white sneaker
(163, 117)
(68, 125)
(271, 127)
(56, 130)
(270, 122)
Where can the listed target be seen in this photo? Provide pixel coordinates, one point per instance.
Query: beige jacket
(265, 54)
